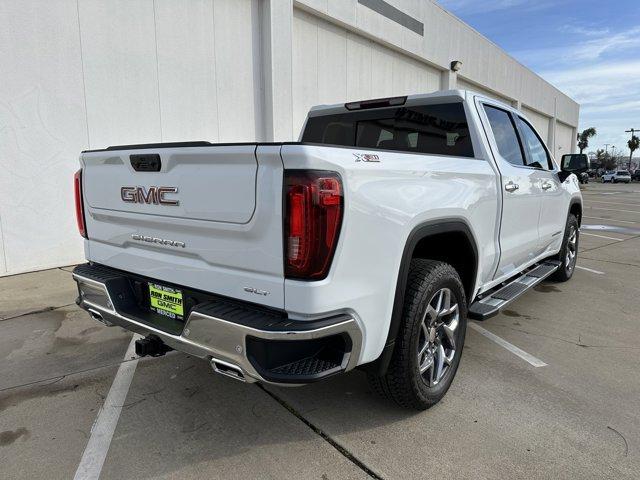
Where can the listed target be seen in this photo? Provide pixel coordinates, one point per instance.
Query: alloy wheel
(437, 341)
(572, 249)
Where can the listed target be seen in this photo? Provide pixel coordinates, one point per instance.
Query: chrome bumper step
(494, 300)
(241, 341)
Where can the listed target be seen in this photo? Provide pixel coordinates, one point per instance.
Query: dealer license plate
(166, 301)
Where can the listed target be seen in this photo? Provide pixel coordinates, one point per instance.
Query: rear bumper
(239, 340)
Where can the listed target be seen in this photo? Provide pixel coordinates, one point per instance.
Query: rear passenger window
(430, 129)
(504, 131)
(537, 155)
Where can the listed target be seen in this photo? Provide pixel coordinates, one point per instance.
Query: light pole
(606, 155)
(613, 154)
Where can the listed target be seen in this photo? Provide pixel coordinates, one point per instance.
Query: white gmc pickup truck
(367, 244)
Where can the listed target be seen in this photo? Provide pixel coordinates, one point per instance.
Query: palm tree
(633, 144)
(583, 138)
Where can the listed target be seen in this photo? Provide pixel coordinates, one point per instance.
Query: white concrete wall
(93, 73)
(565, 140)
(467, 85)
(447, 38)
(80, 74)
(167, 70)
(42, 129)
(333, 65)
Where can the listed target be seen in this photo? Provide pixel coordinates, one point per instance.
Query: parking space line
(610, 219)
(602, 236)
(590, 270)
(103, 428)
(613, 209)
(536, 362)
(626, 204)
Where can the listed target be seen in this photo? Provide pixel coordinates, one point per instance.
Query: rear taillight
(77, 187)
(313, 215)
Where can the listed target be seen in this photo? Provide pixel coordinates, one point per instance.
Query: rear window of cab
(440, 129)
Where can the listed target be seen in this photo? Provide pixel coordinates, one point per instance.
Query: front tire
(431, 337)
(569, 252)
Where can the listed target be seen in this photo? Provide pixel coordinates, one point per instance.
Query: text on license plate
(166, 301)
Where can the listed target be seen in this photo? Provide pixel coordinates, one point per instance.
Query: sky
(590, 50)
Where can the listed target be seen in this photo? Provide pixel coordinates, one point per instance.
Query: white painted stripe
(102, 431)
(610, 219)
(527, 357)
(613, 209)
(627, 204)
(590, 270)
(602, 236)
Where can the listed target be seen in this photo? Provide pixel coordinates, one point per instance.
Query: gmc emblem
(152, 195)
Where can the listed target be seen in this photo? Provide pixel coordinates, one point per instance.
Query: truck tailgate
(209, 219)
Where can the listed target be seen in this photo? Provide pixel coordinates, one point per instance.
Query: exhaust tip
(96, 315)
(227, 369)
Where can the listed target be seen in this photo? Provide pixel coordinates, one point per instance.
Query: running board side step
(494, 300)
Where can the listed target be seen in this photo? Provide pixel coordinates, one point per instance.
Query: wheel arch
(460, 250)
(575, 208)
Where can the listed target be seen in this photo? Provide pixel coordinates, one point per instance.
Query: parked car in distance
(617, 176)
(635, 175)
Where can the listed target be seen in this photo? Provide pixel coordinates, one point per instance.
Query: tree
(583, 138)
(633, 144)
(598, 159)
(607, 161)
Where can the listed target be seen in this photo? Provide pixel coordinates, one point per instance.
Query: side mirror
(574, 163)
(577, 163)
(563, 175)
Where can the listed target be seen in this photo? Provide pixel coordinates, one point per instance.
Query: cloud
(597, 82)
(590, 31)
(598, 45)
(601, 71)
(605, 43)
(594, 61)
(608, 95)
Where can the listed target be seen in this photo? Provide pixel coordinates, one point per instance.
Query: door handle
(511, 187)
(547, 185)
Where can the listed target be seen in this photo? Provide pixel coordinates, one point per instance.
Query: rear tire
(569, 252)
(430, 340)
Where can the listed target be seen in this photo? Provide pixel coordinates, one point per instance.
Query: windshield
(622, 172)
